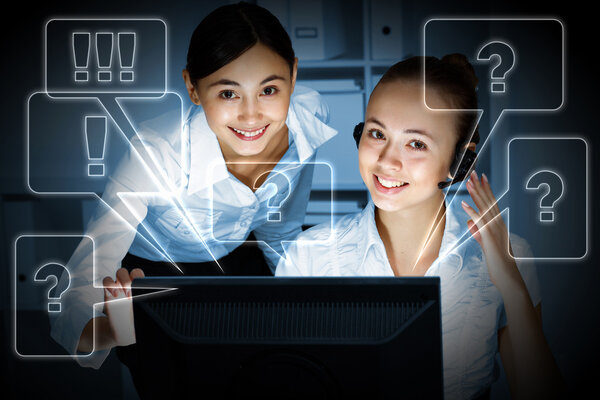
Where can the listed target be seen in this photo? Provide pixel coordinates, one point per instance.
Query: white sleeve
(107, 239)
(526, 265)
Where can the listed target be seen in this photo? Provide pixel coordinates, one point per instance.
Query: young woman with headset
(407, 154)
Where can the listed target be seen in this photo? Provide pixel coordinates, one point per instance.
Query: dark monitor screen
(289, 338)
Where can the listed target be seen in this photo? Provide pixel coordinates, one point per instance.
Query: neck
(412, 237)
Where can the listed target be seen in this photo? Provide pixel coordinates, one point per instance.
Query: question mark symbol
(555, 190)
(505, 55)
(275, 201)
(54, 270)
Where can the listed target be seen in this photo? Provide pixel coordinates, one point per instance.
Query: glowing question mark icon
(506, 61)
(274, 184)
(54, 270)
(555, 186)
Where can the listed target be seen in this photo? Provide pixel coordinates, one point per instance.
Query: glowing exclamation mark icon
(95, 138)
(81, 54)
(126, 42)
(104, 50)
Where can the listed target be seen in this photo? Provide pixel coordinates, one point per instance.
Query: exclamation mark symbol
(126, 42)
(104, 50)
(95, 138)
(81, 54)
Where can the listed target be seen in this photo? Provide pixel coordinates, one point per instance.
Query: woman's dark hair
(228, 31)
(454, 79)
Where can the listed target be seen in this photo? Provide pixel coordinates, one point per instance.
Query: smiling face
(405, 149)
(246, 103)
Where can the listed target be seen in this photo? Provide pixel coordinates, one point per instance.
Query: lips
(387, 185)
(249, 134)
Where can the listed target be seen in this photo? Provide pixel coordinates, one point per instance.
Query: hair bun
(461, 61)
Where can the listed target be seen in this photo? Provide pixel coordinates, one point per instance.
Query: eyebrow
(408, 131)
(376, 121)
(418, 132)
(229, 82)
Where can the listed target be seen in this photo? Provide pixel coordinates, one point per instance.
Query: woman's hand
(488, 228)
(118, 306)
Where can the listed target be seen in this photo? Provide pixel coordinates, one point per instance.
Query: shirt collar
(307, 130)
(455, 235)
(454, 231)
(366, 223)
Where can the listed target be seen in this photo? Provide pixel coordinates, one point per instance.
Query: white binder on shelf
(316, 29)
(386, 32)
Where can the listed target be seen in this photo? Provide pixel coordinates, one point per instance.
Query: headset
(463, 163)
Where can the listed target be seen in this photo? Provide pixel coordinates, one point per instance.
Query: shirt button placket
(247, 217)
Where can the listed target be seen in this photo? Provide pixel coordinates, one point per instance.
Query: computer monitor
(289, 338)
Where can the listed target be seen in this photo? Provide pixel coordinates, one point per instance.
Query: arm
(530, 367)
(116, 327)
(112, 230)
(506, 351)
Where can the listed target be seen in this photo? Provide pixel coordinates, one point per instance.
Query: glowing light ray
(161, 251)
(113, 108)
(435, 226)
(160, 290)
(460, 240)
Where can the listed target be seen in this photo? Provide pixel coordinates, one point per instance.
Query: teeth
(250, 134)
(390, 184)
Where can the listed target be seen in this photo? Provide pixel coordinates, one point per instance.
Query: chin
(248, 148)
(387, 206)
(249, 152)
(385, 203)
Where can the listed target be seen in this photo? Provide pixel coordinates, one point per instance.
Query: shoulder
(162, 131)
(314, 251)
(324, 238)
(338, 230)
(155, 150)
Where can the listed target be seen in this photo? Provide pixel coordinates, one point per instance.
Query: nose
(250, 112)
(390, 158)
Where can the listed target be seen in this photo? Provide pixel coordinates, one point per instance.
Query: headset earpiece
(466, 166)
(466, 163)
(358, 130)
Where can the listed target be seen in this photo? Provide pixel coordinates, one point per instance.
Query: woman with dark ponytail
(248, 121)
(408, 153)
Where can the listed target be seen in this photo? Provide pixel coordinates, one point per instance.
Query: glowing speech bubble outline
(219, 163)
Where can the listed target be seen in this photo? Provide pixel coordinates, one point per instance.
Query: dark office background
(570, 301)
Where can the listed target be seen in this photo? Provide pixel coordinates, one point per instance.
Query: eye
(269, 91)
(227, 94)
(375, 134)
(417, 145)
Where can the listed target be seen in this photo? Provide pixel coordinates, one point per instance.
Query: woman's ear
(191, 89)
(294, 73)
(471, 146)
